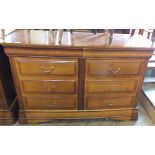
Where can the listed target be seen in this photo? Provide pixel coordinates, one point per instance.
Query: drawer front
(57, 102)
(114, 67)
(111, 86)
(98, 102)
(43, 66)
(49, 86)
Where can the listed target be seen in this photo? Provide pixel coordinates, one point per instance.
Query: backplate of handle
(47, 70)
(51, 88)
(109, 103)
(115, 88)
(51, 104)
(114, 71)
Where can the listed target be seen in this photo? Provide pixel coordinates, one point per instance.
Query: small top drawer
(45, 66)
(114, 67)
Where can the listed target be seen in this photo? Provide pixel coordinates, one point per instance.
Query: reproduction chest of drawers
(72, 82)
(8, 101)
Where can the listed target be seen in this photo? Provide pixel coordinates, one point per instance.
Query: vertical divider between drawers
(81, 83)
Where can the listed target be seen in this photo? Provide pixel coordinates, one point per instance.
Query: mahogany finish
(84, 78)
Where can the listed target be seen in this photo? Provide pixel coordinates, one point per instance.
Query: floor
(149, 90)
(143, 120)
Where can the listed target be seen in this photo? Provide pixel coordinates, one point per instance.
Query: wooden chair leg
(51, 36)
(3, 34)
(111, 31)
(148, 35)
(133, 32)
(153, 35)
(94, 31)
(71, 30)
(52, 33)
(59, 35)
(141, 31)
(28, 36)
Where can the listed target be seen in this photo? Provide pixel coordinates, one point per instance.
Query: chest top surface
(40, 38)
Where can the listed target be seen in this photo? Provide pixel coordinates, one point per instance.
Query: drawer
(53, 86)
(54, 102)
(127, 85)
(98, 102)
(114, 67)
(44, 66)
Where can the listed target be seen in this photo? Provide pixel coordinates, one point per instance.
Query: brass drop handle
(47, 88)
(109, 103)
(45, 70)
(51, 104)
(114, 71)
(115, 88)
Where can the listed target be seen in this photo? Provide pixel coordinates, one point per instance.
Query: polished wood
(40, 39)
(98, 80)
(48, 102)
(102, 102)
(41, 116)
(117, 53)
(9, 116)
(81, 85)
(37, 66)
(110, 86)
(56, 86)
(115, 68)
(8, 100)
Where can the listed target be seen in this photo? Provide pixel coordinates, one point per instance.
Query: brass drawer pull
(51, 104)
(114, 71)
(115, 88)
(109, 103)
(49, 88)
(47, 70)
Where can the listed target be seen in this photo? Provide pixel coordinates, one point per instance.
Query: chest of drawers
(50, 87)
(77, 82)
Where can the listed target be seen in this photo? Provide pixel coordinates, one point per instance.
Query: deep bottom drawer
(99, 102)
(55, 102)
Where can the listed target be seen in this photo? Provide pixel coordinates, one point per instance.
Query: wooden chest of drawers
(72, 82)
(56, 88)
